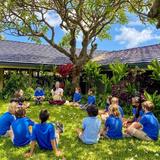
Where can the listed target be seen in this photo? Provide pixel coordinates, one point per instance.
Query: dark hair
(92, 111)
(20, 113)
(44, 115)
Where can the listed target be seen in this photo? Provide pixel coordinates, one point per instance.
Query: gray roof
(131, 56)
(30, 54)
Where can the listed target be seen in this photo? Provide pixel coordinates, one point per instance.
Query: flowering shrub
(65, 70)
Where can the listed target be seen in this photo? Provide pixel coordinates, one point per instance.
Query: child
(20, 127)
(39, 95)
(136, 111)
(90, 132)
(20, 99)
(115, 101)
(45, 135)
(113, 124)
(91, 99)
(6, 119)
(148, 127)
(77, 95)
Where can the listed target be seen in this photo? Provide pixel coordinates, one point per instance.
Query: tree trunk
(76, 75)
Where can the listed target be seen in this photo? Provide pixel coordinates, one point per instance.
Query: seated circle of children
(90, 132)
(7, 119)
(21, 135)
(45, 135)
(57, 95)
(39, 95)
(113, 124)
(148, 126)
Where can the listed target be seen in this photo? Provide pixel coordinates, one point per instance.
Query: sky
(134, 34)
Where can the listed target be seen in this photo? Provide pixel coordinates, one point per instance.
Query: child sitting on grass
(45, 135)
(113, 124)
(91, 99)
(6, 119)
(148, 126)
(90, 132)
(21, 135)
(115, 101)
(136, 111)
(20, 99)
(39, 95)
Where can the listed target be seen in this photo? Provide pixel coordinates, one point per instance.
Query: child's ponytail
(114, 110)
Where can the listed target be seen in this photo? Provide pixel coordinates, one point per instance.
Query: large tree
(90, 18)
(155, 12)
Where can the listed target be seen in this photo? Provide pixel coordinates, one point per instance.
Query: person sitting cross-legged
(148, 126)
(39, 95)
(45, 135)
(90, 132)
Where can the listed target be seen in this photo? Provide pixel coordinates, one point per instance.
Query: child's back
(113, 123)
(5, 122)
(43, 133)
(7, 118)
(91, 99)
(91, 126)
(114, 126)
(20, 128)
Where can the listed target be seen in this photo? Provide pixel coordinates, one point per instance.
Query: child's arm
(55, 149)
(29, 154)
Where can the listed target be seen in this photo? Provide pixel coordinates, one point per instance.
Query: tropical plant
(92, 73)
(119, 71)
(154, 66)
(107, 84)
(155, 98)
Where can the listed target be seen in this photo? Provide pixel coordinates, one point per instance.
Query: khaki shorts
(139, 134)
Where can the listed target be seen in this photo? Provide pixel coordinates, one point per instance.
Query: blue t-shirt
(77, 97)
(91, 100)
(21, 131)
(43, 134)
(39, 92)
(134, 112)
(91, 127)
(121, 111)
(150, 125)
(5, 122)
(114, 127)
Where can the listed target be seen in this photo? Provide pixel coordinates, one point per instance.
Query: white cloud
(132, 37)
(53, 18)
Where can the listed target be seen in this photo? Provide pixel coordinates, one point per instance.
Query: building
(31, 57)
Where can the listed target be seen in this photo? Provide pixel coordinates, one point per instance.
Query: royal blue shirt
(77, 97)
(5, 122)
(91, 100)
(91, 127)
(39, 92)
(134, 112)
(114, 127)
(21, 131)
(150, 125)
(44, 133)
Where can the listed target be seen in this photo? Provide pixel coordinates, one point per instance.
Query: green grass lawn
(73, 149)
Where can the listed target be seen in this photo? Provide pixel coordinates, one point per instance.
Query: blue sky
(134, 34)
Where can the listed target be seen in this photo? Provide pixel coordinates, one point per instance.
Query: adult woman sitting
(57, 95)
